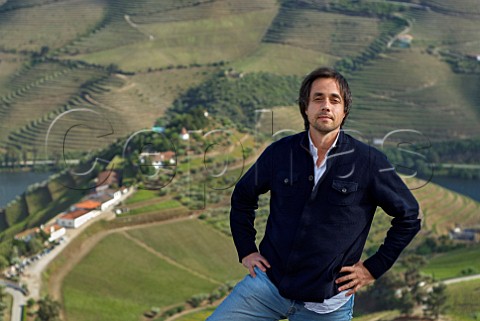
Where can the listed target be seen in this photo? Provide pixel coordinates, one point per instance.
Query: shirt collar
(313, 148)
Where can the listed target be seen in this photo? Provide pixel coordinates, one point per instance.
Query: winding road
(18, 299)
(33, 273)
(32, 276)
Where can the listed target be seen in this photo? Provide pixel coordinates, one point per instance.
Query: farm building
(159, 159)
(87, 205)
(107, 198)
(76, 218)
(162, 159)
(466, 234)
(404, 41)
(107, 179)
(184, 135)
(53, 231)
(26, 235)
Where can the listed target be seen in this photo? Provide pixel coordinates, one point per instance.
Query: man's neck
(323, 141)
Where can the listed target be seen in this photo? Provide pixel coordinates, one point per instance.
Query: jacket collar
(341, 144)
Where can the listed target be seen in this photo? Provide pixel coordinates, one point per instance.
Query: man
(324, 188)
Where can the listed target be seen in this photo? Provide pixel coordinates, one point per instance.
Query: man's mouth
(324, 117)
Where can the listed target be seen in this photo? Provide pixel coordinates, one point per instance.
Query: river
(468, 187)
(13, 184)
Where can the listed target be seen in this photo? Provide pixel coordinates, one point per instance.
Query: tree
(3, 305)
(112, 68)
(14, 255)
(44, 50)
(406, 302)
(412, 264)
(382, 294)
(30, 305)
(34, 246)
(436, 301)
(48, 309)
(3, 262)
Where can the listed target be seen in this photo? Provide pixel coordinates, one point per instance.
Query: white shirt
(335, 302)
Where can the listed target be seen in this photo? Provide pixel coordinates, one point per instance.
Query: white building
(54, 232)
(76, 218)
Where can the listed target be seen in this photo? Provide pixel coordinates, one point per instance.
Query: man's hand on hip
(255, 260)
(358, 276)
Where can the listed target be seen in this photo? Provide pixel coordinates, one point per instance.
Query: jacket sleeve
(244, 202)
(394, 197)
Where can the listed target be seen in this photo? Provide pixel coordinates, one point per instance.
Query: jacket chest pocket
(286, 183)
(342, 192)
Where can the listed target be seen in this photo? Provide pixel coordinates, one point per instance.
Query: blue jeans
(257, 299)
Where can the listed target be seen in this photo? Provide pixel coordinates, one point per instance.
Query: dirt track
(75, 257)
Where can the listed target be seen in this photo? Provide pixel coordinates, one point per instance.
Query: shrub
(198, 299)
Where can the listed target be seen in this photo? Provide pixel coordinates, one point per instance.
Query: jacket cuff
(246, 250)
(376, 266)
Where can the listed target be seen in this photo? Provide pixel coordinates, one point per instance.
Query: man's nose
(326, 105)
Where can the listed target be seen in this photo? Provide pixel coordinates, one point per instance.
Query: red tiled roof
(163, 156)
(88, 205)
(168, 154)
(26, 233)
(56, 227)
(73, 215)
(107, 178)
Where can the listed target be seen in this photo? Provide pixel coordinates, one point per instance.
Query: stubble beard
(324, 128)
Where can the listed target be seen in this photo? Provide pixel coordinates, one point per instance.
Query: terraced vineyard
(9, 64)
(61, 88)
(300, 28)
(470, 7)
(463, 305)
(195, 245)
(443, 209)
(252, 36)
(20, 108)
(441, 29)
(283, 60)
(403, 89)
(189, 257)
(89, 72)
(280, 119)
(31, 25)
(86, 103)
(158, 35)
(151, 93)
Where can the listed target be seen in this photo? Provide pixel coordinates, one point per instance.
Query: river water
(13, 184)
(468, 187)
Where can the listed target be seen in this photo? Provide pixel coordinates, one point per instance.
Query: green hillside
(38, 205)
(77, 76)
(88, 294)
(300, 28)
(200, 252)
(166, 43)
(195, 247)
(189, 257)
(31, 25)
(419, 87)
(454, 264)
(463, 305)
(152, 34)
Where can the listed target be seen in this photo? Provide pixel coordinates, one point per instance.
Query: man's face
(325, 109)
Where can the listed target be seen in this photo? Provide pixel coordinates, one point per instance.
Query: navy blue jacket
(312, 233)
